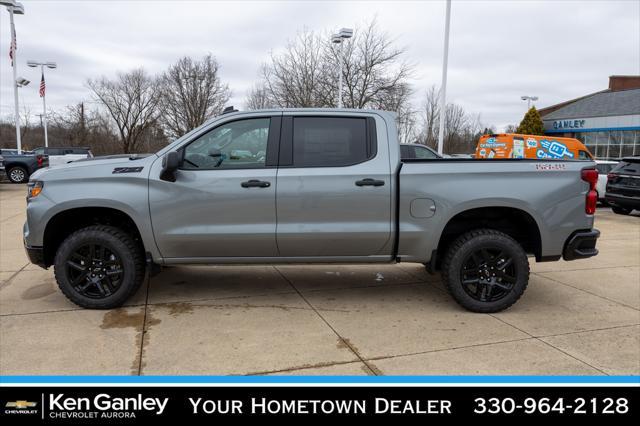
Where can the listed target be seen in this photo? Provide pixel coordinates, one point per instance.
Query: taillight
(39, 159)
(590, 176)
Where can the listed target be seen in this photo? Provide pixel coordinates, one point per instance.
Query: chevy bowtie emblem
(20, 404)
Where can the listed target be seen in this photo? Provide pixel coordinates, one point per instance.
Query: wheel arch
(515, 222)
(67, 221)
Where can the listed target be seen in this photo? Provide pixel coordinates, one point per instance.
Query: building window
(613, 144)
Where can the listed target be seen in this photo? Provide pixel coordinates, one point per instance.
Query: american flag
(42, 86)
(13, 46)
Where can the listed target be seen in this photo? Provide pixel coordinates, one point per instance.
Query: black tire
(17, 174)
(99, 267)
(494, 267)
(621, 210)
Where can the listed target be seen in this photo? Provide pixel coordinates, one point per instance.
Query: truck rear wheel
(17, 174)
(99, 267)
(485, 270)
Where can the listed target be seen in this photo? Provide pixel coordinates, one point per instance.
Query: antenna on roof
(229, 109)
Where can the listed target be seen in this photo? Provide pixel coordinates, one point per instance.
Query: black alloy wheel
(95, 271)
(99, 267)
(488, 274)
(485, 270)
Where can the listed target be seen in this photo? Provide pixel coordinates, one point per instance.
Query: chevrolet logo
(21, 405)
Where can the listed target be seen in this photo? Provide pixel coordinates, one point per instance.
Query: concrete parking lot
(580, 317)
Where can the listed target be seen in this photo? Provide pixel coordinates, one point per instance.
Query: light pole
(529, 99)
(51, 65)
(13, 7)
(443, 87)
(339, 38)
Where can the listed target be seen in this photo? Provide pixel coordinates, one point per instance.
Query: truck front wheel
(485, 270)
(99, 267)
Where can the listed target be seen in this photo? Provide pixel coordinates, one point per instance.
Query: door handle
(369, 182)
(254, 183)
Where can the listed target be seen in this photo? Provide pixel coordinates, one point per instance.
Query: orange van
(511, 145)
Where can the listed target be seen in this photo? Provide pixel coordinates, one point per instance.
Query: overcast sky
(499, 50)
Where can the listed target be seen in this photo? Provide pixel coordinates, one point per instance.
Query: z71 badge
(119, 170)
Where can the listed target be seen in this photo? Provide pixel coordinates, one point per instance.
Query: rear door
(333, 187)
(223, 201)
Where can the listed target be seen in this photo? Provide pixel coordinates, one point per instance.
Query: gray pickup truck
(306, 186)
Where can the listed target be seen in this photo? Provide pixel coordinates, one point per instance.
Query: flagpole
(44, 109)
(14, 64)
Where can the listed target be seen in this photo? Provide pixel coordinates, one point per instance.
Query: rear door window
(330, 141)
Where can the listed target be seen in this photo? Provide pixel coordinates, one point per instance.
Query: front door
(334, 188)
(222, 203)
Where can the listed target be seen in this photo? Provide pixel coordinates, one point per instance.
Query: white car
(64, 155)
(604, 167)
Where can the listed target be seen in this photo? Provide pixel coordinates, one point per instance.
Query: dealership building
(607, 122)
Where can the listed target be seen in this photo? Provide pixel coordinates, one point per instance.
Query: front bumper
(581, 244)
(36, 255)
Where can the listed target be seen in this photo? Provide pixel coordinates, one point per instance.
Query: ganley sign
(568, 124)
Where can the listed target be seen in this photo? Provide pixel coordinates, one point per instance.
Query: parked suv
(64, 155)
(623, 186)
(603, 167)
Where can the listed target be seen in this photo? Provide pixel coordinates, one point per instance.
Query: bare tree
(461, 131)
(296, 77)
(305, 74)
(258, 98)
(25, 119)
(374, 73)
(430, 117)
(192, 92)
(511, 128)
(133, 101)
(455, 123)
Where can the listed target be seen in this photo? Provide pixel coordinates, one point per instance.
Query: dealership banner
(101, 404)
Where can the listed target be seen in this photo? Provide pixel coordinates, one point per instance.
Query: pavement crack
(302, 367)
(5, 283)
(143, 332)
(372, 370)
(585, 291)
(550, 345)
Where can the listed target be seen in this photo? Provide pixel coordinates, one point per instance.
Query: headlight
(34, 189)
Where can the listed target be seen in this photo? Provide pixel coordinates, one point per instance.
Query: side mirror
(170, 164)
(217, 154)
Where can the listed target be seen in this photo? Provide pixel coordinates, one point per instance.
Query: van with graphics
(511, 145)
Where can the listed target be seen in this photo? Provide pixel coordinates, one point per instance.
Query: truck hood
(94, 167)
